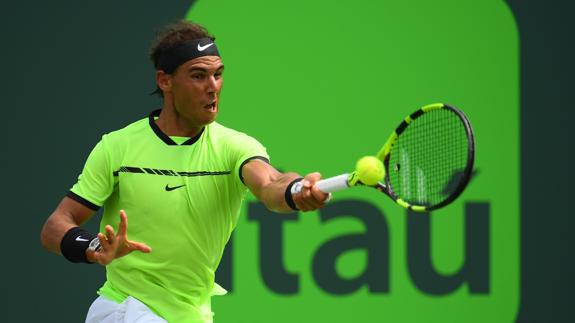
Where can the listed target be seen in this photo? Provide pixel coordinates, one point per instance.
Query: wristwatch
(95, 245)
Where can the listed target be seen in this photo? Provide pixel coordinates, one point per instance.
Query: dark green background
(74, 71)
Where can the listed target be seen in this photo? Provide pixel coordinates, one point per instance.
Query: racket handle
(328, 185)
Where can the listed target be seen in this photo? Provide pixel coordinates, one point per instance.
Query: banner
(321, 84)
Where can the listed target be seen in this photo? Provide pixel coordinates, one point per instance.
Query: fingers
(318, 194)
(110, 235)
(108, 245)
(312, 178)
(117, 245)
(310, 197)
(139, 246)
(111, 240)
(302, 204)
(123, 228)
(104, 243)
(300, 199)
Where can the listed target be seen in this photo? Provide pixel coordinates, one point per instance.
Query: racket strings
(428, 160)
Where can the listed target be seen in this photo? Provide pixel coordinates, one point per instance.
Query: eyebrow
(202, 69)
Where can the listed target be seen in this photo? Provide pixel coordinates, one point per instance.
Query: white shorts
(131, 310)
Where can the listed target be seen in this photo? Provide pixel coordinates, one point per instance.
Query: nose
(212, 85)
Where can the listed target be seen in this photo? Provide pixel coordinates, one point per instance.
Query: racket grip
(328, 185)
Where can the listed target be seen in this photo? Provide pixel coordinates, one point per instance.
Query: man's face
(195, 89)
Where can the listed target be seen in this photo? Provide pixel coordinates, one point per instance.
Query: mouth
(211, 107)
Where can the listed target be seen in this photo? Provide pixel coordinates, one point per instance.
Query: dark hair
(174, 35)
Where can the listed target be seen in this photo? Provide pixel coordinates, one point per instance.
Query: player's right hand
(115, 246)
(311, 197)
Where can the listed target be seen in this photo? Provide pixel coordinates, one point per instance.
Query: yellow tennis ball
(370, 170)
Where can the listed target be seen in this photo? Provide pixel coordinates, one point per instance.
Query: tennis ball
(370, 170)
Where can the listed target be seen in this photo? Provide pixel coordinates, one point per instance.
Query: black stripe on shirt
(247, 161)
(82, 201)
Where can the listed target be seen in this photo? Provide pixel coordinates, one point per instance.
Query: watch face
(95, 245)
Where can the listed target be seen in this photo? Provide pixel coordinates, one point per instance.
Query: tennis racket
(428, 160)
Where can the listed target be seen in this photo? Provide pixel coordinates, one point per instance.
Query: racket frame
(384, 155)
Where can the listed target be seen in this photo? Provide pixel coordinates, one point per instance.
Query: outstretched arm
(269, 186)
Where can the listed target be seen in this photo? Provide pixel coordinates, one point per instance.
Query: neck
(173, 123)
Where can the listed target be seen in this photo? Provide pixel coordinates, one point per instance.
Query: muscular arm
(269, 186)
(67, 215)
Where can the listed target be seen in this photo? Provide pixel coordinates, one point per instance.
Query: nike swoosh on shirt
(168, 188)
(80, 239)
(202, 48)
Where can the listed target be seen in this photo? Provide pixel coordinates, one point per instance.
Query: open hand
(115, 246)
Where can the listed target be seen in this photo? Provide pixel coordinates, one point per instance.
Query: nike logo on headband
(202, 48)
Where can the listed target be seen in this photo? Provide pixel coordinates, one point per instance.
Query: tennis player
(180, 178)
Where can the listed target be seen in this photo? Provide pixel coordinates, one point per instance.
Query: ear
(164, 81)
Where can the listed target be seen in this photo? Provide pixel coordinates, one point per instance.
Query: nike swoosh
(203, 48)
(168, 188)
(80, 239)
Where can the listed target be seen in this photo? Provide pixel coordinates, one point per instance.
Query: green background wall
(339, 78)
(73, 72)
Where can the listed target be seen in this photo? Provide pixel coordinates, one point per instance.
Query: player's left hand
(310, 197)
